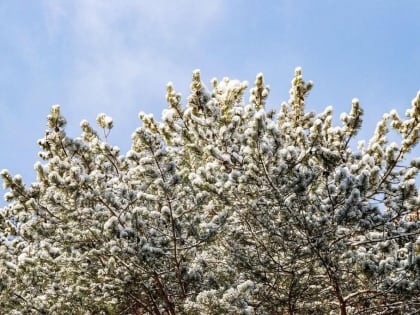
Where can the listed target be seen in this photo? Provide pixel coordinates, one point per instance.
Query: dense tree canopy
(224, 207)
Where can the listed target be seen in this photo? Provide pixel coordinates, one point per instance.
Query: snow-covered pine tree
(224, 207)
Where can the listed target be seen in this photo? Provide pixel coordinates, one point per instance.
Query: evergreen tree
(224, 207)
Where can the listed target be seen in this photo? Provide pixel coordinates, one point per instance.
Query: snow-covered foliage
(224, 207)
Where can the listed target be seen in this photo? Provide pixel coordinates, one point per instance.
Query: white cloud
(122, 53)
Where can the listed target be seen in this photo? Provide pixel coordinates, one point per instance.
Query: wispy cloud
(123, 52)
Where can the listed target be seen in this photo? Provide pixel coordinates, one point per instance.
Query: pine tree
(223, 207)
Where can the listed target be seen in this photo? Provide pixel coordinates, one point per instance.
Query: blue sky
(116, 56)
